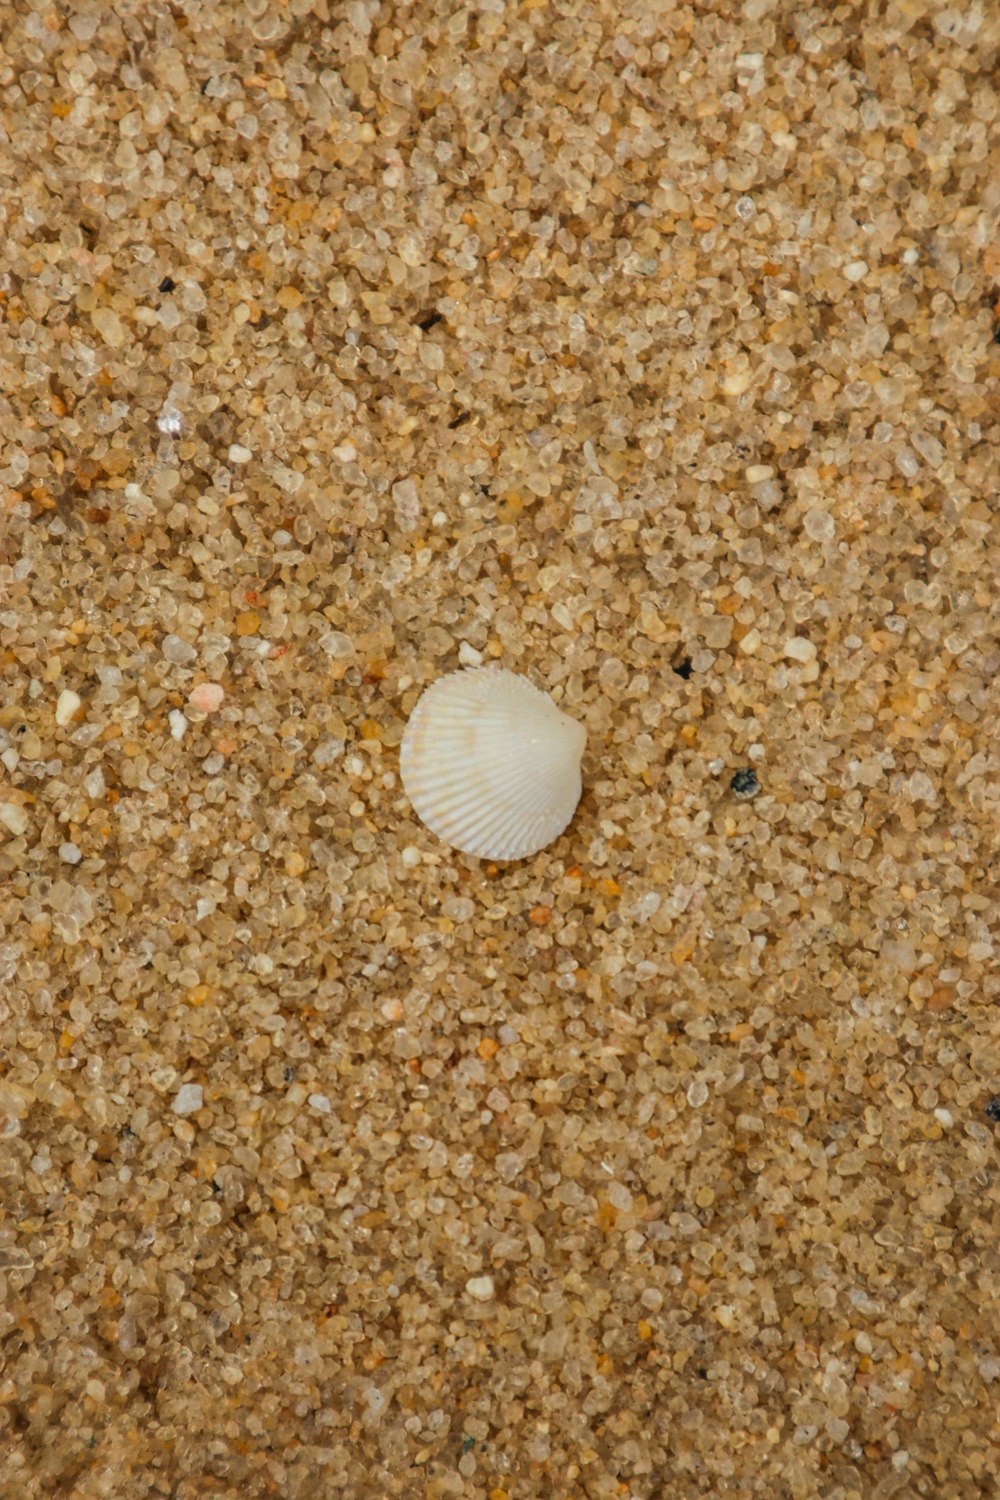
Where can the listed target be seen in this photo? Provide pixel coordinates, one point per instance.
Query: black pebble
(745, 783)
(167, 284)
(684, 668)
(992, 1110)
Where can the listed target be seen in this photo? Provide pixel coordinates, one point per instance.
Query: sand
(649, 350)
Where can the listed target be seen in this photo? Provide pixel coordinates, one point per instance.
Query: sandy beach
(649, 350)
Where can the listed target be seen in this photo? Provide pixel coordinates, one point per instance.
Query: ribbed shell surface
(491, 765)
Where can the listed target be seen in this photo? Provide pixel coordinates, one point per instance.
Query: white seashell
(491, 765)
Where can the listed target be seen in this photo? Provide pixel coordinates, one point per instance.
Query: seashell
(491, 765)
